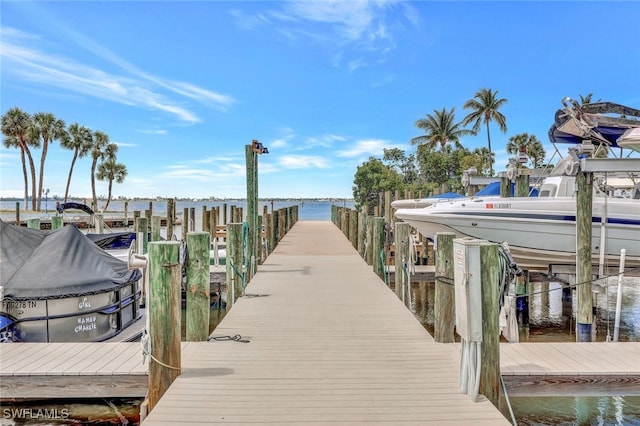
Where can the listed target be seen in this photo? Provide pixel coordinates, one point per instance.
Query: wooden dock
(328, 342)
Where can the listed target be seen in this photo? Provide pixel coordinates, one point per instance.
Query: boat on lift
(541, 230)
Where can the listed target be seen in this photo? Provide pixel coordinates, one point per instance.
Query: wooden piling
(353, 228)
(522, 185)
(126, 213)
(362, 233)
(234, 263)
(378, 246)
(444, 300)
(17, 213)
(164, 312)
(522, 306)
(505, 187)
(141, 228)
(251, 158)
(584, 209)
(56, 222)
(155, 228)
(402, 260)
(185, 223)
(171, 216)
(369, 241)
(489, 277)
(198, 293)
(192, 220)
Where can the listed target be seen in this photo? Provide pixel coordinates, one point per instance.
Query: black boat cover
(62, 263)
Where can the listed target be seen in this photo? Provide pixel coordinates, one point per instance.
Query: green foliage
(438, 168)
(372, 178)
(404, 165)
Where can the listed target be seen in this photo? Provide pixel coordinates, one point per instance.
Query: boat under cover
(58, 286)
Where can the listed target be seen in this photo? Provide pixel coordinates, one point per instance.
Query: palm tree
(17, 126)
(532, 146)
(100, 150)
(80, 140)
(441, 129)
(110, 170)
(484, 159)
(47, 127)
(484, 108)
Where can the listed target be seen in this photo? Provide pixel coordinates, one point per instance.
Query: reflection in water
(577, 410)
(552, 307)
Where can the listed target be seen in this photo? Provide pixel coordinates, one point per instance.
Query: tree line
(440, 158)
(25, 132)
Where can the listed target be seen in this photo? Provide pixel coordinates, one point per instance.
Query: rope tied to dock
(236, 338)
(145, 341)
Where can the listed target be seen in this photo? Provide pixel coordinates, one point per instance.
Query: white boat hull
(539, 232)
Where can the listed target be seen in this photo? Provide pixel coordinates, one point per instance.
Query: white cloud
(303, 162)
(135, 88)
(345, 28)
(370, 147)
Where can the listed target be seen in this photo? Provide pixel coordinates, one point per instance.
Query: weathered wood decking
(328, 343)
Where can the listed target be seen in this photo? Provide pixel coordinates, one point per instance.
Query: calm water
(308, 210)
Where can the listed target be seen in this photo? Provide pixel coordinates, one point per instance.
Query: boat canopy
(62, 263)
(602, 122)
(74, 206)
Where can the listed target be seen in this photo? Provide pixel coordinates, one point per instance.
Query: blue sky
(182, 87)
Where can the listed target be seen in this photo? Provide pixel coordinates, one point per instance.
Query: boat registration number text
(497, 205)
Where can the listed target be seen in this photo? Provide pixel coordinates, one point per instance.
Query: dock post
(33, 223)
(126, 214)
(402, 262)
(369, 242)
(198, 292)
(584, 209)
(388, 214)
(505, 187)
(251, 158)
(17, 213)
(155, 228)
(56, 222)
(164, 316)
(213, 224)
(98, 223)
(192, 220)
(141, 228)
(378, 246)
(353, 228)
(234, 266)
(444, 300)
(185, 223)
(522, 185)
(170, 218)
(362, 232)
(522, 305)
(490, 352)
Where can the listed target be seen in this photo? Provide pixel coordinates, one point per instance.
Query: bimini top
(601, 122)
(62, 263)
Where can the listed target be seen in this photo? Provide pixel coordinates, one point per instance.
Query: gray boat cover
(38, 264)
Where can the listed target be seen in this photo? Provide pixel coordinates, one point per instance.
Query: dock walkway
(328, 343)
